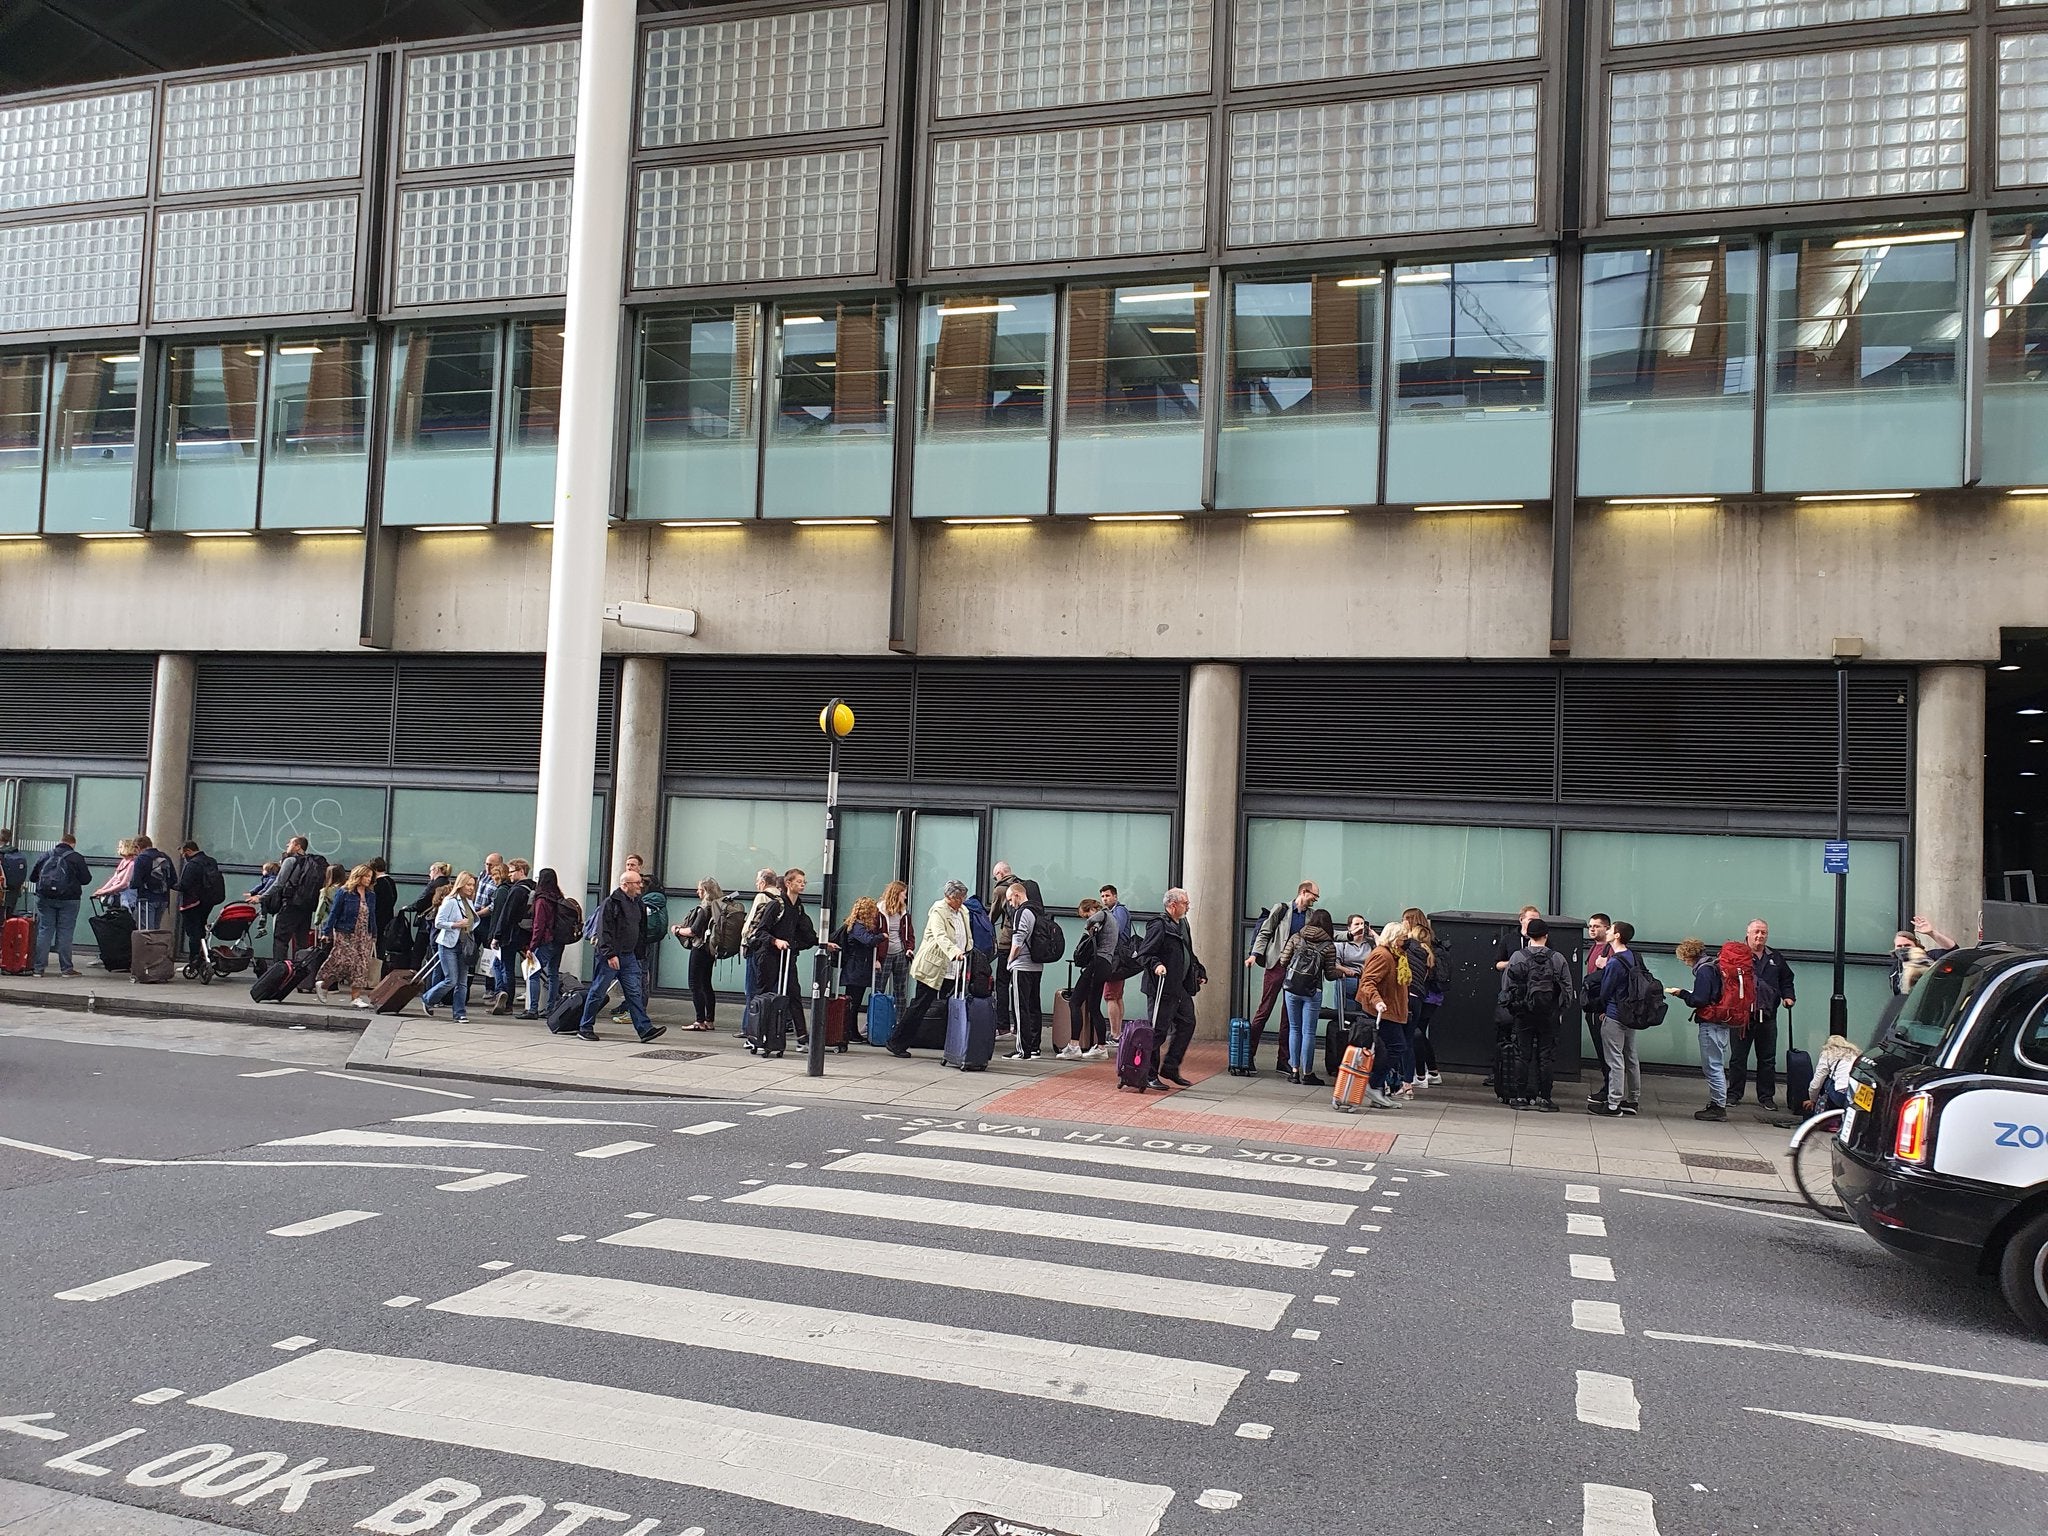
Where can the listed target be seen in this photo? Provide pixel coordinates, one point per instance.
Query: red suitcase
(835, 1023)
(1348, 1096)
(17, 938)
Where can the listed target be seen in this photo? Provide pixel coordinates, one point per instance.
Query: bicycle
(1813, 1163)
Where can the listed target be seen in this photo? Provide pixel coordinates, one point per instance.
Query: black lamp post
(836, 721)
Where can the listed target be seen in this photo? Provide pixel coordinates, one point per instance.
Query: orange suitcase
(1348, 1096)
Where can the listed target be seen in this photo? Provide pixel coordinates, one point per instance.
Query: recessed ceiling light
(2032, 741)
(1859, 496)
(1136, 517)
(136, 534)
(252, 351)
(1162, 298)
(835, 522)
(17, 538)
(2009, 666)
(2026, 773)
(1279, 512)
(1663, 501)
(2028, 490)
(2030, 711)
(720, 522)
(218, 533)
(123, 357)
(977, 309)
(1471, 506)
(983, 522)
(324, 533)
(451, 528)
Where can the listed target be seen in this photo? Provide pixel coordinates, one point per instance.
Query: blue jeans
(1714, 1061)
(632, 979)
(55, 921)
(452, 983)
(1301, 1030)
(550, 974)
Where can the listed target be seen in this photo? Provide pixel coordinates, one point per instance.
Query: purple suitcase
(1134, 1056)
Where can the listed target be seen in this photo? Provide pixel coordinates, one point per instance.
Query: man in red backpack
(1722, 992)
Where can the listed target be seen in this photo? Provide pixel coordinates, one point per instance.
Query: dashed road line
(775, 1109)
(615, 1149)
(275, 1072)
(296, 1342)
(1592, 1266)
(482, 1181)
(158, 1395)
(1608, 1401)
(1597, 1317)
(1579, 1224)
(133, 1280)
(318, 1224)
(1584, 1194)
(1612, 1511)
(705, 1127)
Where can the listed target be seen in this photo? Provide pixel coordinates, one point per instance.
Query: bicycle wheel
(1813, 1164)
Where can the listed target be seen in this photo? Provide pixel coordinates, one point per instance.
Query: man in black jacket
(300, 874)
(60, 878)
(200, 889)
(1773, 986)
(620, 958)
(512, 932)
(1168, 957)
(1536, 990)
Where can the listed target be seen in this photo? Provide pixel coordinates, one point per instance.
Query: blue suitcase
(970, 1032)
(1241, 1048)
(881, 1018)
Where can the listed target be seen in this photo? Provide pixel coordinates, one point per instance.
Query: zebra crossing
(981, 1282)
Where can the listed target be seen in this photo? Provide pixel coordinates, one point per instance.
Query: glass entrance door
(944, 845)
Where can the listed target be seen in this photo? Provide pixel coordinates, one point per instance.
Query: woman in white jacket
(939, 964)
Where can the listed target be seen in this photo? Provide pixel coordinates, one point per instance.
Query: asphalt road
(1066, 1329)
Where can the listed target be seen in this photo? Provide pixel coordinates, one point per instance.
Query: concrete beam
(1208, 846)
(1948, 800)
(169, 783)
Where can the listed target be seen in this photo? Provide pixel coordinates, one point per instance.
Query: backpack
(981, 974)
(1642, 1004)
(1737, 967)
(982, 932)
(156, 874)
(309, 873)
(13, 869)
(589, 923)
(727, 925)
(58, 881)
(653, 917)
(1541, 994)
(1124, 963)
(569, 919)
(1305, 970)
(758, 912)
(1047, 943)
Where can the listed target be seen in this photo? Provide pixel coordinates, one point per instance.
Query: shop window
(247, 824)
(23, 380)
(458, 827)
(1379, 868)
(696, 436)
(984, 438)
(1668, 393)
(105, 810)
(2016, 344)
(90, 480)
(316, 466)
(1866, 339)
(1471, 354)
(206, 452)
(1131, 413)
(1072, 854)
(1300, 425)
(829, 452)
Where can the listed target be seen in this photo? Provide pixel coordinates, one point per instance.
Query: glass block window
(1276, 41)
(1674, 21)
(263, 130)
(487, 106)
(1398, 165)
(1002, 56)
(1129, 189)
(2023, 110)
(798, 72)
(1800, 128)
(218, 263)
(789, 216)
(92, 149)
(505, 240)
(87, 272)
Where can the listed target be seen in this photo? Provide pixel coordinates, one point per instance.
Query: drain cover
(666, 1055)
(977, 1524)
(1731, 1164)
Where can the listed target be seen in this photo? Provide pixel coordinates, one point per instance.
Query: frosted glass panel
(2023, 110)
(1131, 422)
(983, 440)
(92, 442)
(86, 273)
(486, 106)
(1299, 426)
(696, 442)
(264, 130)
(942, 848)
(1378, 868)
(1007, 56)
(1471, 409)
(1671, 21)
(462, 245)
(1667, 401)
(206, 459)
(443, 388)
(2016, 341)
(1673, 886)
(458, 827)
(1277, 41)
(227, 262)
(829, 448)
(90, 149)
(1073, 854)
(1866, 380)
(103, 811)
(803, 71)
(316, 473)
(248, 824)
(734, 221)
(731, 840)
(24, 383)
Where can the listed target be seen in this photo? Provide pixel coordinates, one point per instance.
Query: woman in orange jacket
(1383, 992)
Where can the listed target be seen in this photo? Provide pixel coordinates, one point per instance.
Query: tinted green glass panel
(206, 450)
(533, 419)
(696, 438)
(983, 432)
(829, 448)
(1378, 868)
(1299, 427)
(458, 827)
(248, 824)
(443, 418)
(22, 384)
(317, 473)
(1131, 415)
(1072, 854)
(92, 442)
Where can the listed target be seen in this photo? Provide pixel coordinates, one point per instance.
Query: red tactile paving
(1090, 1094)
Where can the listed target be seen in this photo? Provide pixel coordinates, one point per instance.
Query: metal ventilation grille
(1093, 726)
(76, 706)
(1686, 737)
(761, 718)
(1463, 734)
(317, 710)
(484, 712)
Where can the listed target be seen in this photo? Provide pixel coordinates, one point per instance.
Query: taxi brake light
(1910, 1143)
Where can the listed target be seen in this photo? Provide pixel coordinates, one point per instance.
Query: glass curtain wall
(829, 451)
(24, 381)
(441, 467)
(1378, 868)
(89, 482)
(984, 434)
(1073, 854)
(1866, 349)
(316, 464)
(206, 472)
(1300, 422)
(533, 423)
(2016, 346)
(1131, 412)
(1668, 389)
(696, 430)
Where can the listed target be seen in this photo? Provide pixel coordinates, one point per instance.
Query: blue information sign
(1834, 858)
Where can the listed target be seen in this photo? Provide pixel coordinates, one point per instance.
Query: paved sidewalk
(29, 1510)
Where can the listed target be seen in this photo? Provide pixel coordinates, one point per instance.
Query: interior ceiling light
(17, 538)
(1859, 496)
(722, 522)
(218, 533)
(324, 533)
(252, 351)
(451, 528)
(1162, 298)
(1358, 282)
(123, 357)
(1423, 277)
(1471, 506)
(1904, 237)
(803, 319)
(2009, 666)
(1135, 517)
(1663, 501)
(977, 309)
(300, 349)
(2030, 711)
(133, 533)
(983, 522)
(835, 522)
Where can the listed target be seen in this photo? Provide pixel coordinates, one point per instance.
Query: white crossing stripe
(132, 1280)
(1080, 1186)
(1592, 1266)
(776, 1109)
(1609, 1401)
(482, 1181)
(705, 1127)
(1597, 1317)
(1134, 1157)
(1187, 1391)
(275, 1072)
(158, 1395)
(615, 1149)
(847, 1474)
(1612, 1511)
(970, 1217)
(37, 1146)
(1999, 1450)
(325, 1223)
(350, 1138)
(1585, 1194)
(503, 1117)
(983, 1274)
(1579, 1224)
(296, 1342)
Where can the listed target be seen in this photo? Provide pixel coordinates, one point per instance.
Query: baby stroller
(226, 947)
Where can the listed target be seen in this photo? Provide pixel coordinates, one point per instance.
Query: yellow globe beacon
(836, 718)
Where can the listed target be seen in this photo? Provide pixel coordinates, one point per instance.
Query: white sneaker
(362, 1002)
(1095, 1053)
(1071, 1053)
(1016, 1056)
(1436, 1079)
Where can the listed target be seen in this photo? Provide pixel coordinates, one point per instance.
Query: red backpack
(1738, 988)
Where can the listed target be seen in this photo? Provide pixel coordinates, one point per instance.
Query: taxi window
(2030, 1042)
(1936, 1005)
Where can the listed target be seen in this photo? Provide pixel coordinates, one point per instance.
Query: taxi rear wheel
(2023, 1273)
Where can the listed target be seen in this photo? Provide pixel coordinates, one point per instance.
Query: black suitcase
(307, 965)
(113, 929)
(566, 1017)
(1798, 1073)
(273, 984)
(765, 1025)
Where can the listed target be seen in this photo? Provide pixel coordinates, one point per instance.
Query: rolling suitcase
(307, 964)
(970, 1032)
(152, 958)
(273, 984)
(566, 1017)
(17, 938)
(765, 1025)
(396, 991)
(1134, 1056)
(113, 930)
(1798, 1073)
(1241, 1048)
(835, 1024)
(1353, 1076)
(1063, 1015)
(881, 1018)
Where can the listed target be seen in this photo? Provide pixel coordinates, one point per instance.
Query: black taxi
(1943, 1151)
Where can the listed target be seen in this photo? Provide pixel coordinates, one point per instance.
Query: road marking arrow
(2027, 1455)
(25, 1424)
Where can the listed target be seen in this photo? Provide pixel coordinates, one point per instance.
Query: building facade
(1442, 449)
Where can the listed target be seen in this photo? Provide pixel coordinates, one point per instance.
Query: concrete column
(1948, 800)
(170, 753)
(1208, 846)
(589, 425)
(636, 778)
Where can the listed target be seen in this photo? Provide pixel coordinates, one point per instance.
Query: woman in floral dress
(351, 927)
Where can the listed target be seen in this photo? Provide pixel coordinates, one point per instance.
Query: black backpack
(213, 887)
(58, 880)
(1542, 993)
(1642, 1004)
(1305, 971)
(309, 873)
(1047, 943)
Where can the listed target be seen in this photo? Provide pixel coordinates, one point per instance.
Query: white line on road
(1082, 1186)
(275, 1072)
(371, 1077)
(635, 1102)
(980, 1274)
(1597, 1317)
(401, 1302)
(2028, 1455)
(503, 1117)
(350, 1137)
(481, 1181)
(1131, 1157)
(615, 1149)
(1310, 1334)
(1285, 1378)
(776, 1109)
(1833, 1354)
(1592, 1266)
(1612, 1511)
(705, 1127)
(296, 1342)
(967, 1216)
(132, 1280)
(1579, 1224)
(326, 1223)
(1746, 1210)
(1254, 1431)
(37, 1146)
(157, 1395)
(847, 1474)
(1185, 1391)
(280, 1162)
(1585, 1194)
(28, 1425)
(1609, 1401)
